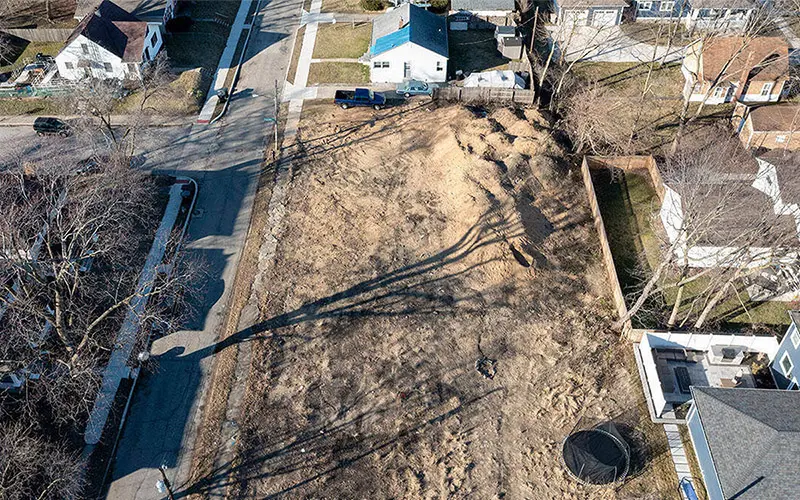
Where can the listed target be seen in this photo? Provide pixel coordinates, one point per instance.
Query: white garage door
(604, 18)
(576, 17)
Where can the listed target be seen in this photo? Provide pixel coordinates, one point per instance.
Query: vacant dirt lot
(437, 321)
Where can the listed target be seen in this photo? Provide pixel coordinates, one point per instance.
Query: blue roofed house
(408, 43)
(746, 442)
(786, 365)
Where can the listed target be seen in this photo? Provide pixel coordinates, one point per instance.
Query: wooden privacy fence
(480, 94)
(624, 163)
(40, 34)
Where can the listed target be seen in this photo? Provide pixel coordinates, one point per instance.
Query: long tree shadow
(293, 456)
(401, 292)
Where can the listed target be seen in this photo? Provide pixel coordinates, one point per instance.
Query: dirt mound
(435, 325)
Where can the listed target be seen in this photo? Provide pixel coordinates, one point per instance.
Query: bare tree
(716, 229)
(33, 468)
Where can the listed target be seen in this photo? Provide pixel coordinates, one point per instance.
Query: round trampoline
(596, 456)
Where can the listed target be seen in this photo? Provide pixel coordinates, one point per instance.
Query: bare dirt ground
(437, 320)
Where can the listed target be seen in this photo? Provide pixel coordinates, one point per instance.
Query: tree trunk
(715, 300)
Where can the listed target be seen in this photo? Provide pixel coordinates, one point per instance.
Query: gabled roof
(409, 23)
(723, 4)
(482, 5)
(766, 56)
(754, 439)
(115, 30)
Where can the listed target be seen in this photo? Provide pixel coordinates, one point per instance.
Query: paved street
(225, 159)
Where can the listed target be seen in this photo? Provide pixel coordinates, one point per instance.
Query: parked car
(50, 126)
(359, 97)
(415, 87)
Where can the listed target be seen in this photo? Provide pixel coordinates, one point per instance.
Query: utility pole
(162, 469)
(275, 125)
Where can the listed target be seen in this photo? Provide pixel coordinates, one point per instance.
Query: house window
(786, 364)
(107, 67)
(154, 39)
(795, 336)
(85, 48)
(68, 65)
(719, 92)
(667, 6)
(781, 139)
(380, 64)
(439, 66)
(645, 5)
(766, 89)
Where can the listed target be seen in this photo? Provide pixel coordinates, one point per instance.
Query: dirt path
(436, 322)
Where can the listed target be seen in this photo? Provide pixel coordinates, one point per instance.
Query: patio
(676, 374)
(670, 363)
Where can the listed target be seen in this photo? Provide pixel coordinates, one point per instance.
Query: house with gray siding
(659, 10)
(589, 12)
(746, 442)
(786, 365)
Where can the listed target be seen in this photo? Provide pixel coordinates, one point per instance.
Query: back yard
(474, 50)
(439, 320)
(630, 214)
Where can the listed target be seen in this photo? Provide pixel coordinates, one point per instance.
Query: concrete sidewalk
(226, 62)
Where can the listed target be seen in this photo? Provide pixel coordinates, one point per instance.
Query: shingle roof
(754, 439)
(482, 5)
(409, 23)
(582, 4)
(115, 30)
(768, 56)
(722, 4)
(776, 118)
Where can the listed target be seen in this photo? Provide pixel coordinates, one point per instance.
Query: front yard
(342, 40)
(338, 72)
(629, 78)
(346, 6)
(473, 51)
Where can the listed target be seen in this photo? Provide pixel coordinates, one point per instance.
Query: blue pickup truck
(359, 97)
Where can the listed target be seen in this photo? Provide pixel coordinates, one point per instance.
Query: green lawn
(342, 40)
(10, 106)
(337, 72)
(629, 78)
(629, 211)
(474, 50)
(28, 53)
(341, 6)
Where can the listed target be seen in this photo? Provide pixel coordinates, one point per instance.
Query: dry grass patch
(342, 40)
(298, 46)
(338, 72)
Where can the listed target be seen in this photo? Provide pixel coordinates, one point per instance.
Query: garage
(604, 17)
(576, 17)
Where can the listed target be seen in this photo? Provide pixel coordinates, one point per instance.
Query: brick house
(768, 127)
(745, 69)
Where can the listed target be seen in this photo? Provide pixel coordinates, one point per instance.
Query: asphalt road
(225, 159)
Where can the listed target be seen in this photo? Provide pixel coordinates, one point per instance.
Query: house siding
(96, 58)
(654, 13)
(422, 61)
(703, 454)
(585, 16)
(783, 380)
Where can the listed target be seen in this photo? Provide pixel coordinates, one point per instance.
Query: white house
(109, 43)
(408, 43)
(749, 218)
(576, 13)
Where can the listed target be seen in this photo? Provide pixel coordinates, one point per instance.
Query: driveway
(608, 44)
